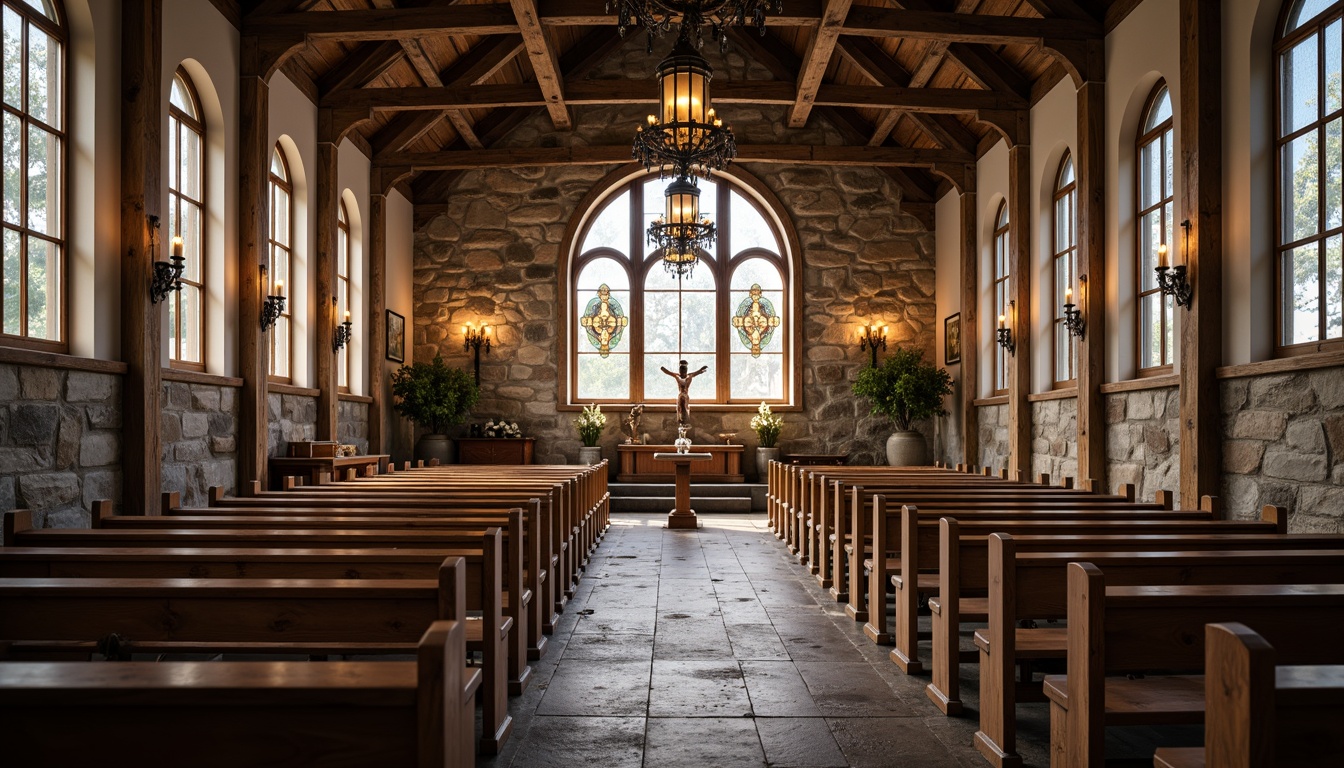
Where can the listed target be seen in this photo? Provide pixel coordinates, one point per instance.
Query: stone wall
(1143, 441)
(494, 256)
(1284, 444)
(352, 424)
(993, 436)
(199, 435)
(1054, 439)
(60, 442)
(291, 418)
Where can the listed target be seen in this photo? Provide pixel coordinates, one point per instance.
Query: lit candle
(1068, 295)
(1001, 321)
(279, 287)
(1162, 255)
(347, 315)
(177, 247)
(464, 329)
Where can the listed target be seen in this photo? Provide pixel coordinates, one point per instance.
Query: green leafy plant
(767, 425)
(905, 388)
(433, 395)
(590, 424)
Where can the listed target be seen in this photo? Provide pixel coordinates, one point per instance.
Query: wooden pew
(1258, 715)
(1136, 630)
(1028, 581)
(228, 714)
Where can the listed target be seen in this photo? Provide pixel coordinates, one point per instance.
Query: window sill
(996, 400)
(1054, 394)
(290, 389)
(1283, 365)
(346, 397)
(196, 377)
(1136, 385)
(55, 360)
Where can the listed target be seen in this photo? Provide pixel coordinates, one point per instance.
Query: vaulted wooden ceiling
(917, 87)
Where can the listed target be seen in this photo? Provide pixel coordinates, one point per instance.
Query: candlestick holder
(1173, 281)
(344, 334)
(871, 337)
(167, 276)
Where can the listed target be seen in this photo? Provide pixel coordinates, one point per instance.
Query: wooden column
(1091, 169)
(1201, 138)
(970, 303)
(1019, 363)
(254, 158)
(141, 319)
(376, 341)
(324, 265)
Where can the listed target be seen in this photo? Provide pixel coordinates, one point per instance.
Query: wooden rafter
(545, 64)
(818, 57)
(429, 75)
(871, 21)
(361, 66)
(384, 23)
(595, 13)
(879, 67)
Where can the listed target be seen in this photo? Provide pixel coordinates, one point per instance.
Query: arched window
(343, 251)
(281, 245)
(32, 255)
(186, 219)
(1065, 250)
(1156, 314)
(1002, 270)
(630, 317)
(1309, 132)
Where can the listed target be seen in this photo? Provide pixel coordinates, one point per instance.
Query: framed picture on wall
(952, 339)
(396, 337)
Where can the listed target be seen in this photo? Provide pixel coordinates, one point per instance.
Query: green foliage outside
(433, 395)
(1303, 214)
(905, 388)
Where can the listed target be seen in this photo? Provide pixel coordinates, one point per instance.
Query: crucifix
(683, 380)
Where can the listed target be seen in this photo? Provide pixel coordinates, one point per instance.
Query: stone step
(738, 490)
(702, 504)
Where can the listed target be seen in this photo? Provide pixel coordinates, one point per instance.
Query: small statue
(683, 380)
(630, 425)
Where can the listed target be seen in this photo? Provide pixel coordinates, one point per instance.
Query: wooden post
(254, 155)
(1091, 228)
(376, 341)
(1019, 363)
(1202, 203)
(141, 319)
(970, 301)
(324, 266)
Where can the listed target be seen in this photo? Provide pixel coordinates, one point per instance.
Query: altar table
(639, 464)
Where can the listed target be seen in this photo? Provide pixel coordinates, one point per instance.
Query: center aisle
(714, 648)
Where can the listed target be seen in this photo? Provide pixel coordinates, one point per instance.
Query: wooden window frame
(343, 290)
(1002, 294)
(637, 267)
(175, 204)
(1284, 42)
(287, 184)
(57, 29)
(1059, 255)
(1163, 133)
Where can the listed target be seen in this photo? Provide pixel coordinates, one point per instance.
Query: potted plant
(590, 424)
(433, 396)
(906, 389)
(767, 426)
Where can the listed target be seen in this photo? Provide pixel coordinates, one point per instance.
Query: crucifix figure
(683, 380)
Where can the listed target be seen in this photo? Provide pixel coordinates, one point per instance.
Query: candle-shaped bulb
(279, 287)
(464, 329)
(1162, 255)
(1001, 321)
(347, 315)
(653, 120)
(177, 247)
(1068, 295)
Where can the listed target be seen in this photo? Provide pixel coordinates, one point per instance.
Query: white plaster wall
(947, 297)
(400, 299)
(352, 177)
(1054, 131)
(199, 38)
(294, 118)
(991, 189)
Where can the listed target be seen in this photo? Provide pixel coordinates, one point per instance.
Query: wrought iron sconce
(1073, 314)
(1172, 280)
(167, 274)
(273, 306)
(1005, 336)
(343, 333)
(473, 339)
(871, 338)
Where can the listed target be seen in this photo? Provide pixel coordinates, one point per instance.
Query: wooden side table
(495, 450)
(682, 516)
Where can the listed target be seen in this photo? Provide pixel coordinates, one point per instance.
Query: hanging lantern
(680, 232)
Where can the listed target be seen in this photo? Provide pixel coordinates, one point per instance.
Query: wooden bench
(1027, 581)
(1136, 630)
(228, 714)
(1259, 715)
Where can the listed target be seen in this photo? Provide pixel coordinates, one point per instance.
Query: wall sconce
(473, 339)
(1172, 280)
(273, 306)
(1005, 330)
(871, 337)
(167, 274)
(343, 332)
(1073, 315)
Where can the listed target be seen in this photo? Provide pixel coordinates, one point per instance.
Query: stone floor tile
(698, 689)
(778, 690)
(567, 742)
(755, 641)
(795, 742)
(703, 742)
(848, 689)
(597, 688)
(609, 647)
(869, 742)
(691, 636)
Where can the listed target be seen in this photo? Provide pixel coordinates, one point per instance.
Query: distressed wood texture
(253, 229)
(1091, 255)
(1019, 362)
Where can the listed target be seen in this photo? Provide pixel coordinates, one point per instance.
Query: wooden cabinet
(637, 464)
(495, 450)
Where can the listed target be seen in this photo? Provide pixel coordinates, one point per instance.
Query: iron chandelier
(658, 16)
(686, 137)
(680, 232)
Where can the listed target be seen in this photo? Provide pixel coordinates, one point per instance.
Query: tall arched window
(630, 317)
(1002, 273)
(281, 245)
(343, 292)
(32, 255)
(186, 219)
(1309, 132)
(1065, 251)
(1156, 314)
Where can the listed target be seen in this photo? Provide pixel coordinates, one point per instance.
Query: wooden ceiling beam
(871, 21)
(429, 75)
(594, 13)
(817, 59)
(1063, 9)
(385, 24)
(269, 7)
(545, 64)
(793, 154)
(361, 66)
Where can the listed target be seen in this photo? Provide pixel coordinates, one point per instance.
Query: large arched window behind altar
(628, 317)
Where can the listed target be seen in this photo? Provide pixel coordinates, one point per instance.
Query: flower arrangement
(501, 428)
(590, 424)
(767, 425)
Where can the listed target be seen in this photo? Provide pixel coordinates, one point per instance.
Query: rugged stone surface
(1143, 441)
(199, 433)
(1054, 439)
(292, 418)
(994, 436)
(352, 424)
